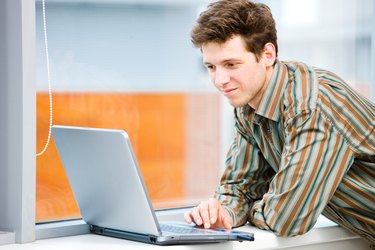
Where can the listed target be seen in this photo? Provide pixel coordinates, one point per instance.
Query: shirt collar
(269, 106)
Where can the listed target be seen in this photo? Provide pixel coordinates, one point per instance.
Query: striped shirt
(308, 149)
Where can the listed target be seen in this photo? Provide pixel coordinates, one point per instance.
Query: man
(305, 141)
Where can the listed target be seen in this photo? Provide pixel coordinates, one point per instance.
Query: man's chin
(236, 104)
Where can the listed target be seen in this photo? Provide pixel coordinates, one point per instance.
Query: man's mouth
(229, 91)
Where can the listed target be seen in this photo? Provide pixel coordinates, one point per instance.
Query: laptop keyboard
(184, 229)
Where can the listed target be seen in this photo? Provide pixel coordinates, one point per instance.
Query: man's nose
(221, 78)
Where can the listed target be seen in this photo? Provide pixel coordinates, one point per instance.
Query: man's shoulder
(301, 70)
(301, 92)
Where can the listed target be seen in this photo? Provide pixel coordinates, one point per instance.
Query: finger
(196, 216)
(203, 210)
(188, 217)
(213, 209)
(227, 223)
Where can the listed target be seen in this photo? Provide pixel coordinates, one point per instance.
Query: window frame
(18, 119)
(78, 226)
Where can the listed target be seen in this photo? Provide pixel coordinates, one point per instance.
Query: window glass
(335, 35)
(130, 65)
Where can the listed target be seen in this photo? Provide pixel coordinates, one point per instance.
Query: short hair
(225, 18)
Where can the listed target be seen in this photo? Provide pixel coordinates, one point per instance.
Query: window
(336, 36)
(130, 65)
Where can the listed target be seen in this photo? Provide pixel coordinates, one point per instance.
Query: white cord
(49, 81)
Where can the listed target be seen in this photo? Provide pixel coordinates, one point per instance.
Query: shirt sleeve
(245, 179)
(314, 161)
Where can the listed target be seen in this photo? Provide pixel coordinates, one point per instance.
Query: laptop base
(165, 240)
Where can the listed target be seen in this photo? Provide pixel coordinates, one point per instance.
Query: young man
(305, 141)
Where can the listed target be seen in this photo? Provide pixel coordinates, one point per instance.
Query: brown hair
(225, 18)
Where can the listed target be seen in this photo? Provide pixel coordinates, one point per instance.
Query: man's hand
(210, 214)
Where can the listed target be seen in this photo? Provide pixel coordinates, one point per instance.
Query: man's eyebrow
(224, 61)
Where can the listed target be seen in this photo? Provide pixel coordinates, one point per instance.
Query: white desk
(325, 235)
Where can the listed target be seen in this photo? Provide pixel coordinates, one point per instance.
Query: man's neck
(256, 101)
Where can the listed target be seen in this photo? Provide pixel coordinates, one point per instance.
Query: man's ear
(269, 54)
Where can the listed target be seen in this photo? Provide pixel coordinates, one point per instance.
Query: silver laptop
(110, 192)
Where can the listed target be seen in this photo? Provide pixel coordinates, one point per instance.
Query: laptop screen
(105, 178)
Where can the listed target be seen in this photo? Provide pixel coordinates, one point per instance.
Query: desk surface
(325, 235)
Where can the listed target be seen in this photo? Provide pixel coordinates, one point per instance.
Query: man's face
(236, 72)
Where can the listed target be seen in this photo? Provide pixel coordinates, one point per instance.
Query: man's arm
(314, 161)
(245, 179)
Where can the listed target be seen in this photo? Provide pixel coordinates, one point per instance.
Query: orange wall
(154, 122)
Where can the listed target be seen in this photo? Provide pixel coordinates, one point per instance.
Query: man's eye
(210, 67)
(231, 65)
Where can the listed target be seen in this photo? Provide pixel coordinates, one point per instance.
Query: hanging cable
(48, 79)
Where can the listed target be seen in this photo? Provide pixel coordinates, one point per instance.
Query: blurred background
(129, 64)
